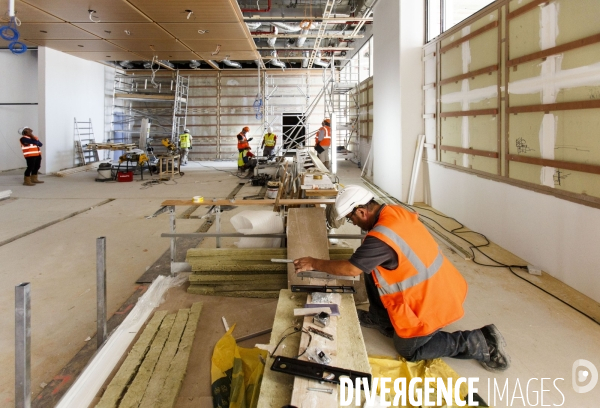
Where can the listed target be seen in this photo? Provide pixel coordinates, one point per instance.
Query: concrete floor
(545, 337)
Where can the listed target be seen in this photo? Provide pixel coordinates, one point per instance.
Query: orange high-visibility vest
(242, 144)
(425, 292)
(31, 150)
(327, 139)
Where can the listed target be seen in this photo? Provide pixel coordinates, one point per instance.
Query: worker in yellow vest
(414, 291)
(185, 145)
(268, 143)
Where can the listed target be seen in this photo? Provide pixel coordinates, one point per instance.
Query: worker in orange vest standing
(414, 290)
(323, 141)
(30, 145)
(242, 141)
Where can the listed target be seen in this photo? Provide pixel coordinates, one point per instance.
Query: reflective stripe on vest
(269, 140)
(31, 150)
(423, 272)
(184, 140)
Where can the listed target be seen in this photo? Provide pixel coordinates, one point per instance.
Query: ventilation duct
(126, 64)
(194, 64)
(300, 40)
(167, 63)
(257, 62)
(305, 55)
(271, 41)
(253, 26)
(293, 28)
(147, 65)
(276, 62)
(232, 64)
(318, 61)
(366, 6)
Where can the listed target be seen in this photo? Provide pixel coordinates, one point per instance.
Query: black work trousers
(466, 344)
(33, 165)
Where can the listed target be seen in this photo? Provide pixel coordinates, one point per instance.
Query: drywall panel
(18, 85)
(69, 88)
(556, 235)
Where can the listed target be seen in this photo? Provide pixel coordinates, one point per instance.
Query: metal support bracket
(323, 289)
(158, 212)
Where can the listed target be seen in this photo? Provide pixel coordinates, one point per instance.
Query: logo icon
(584, 371)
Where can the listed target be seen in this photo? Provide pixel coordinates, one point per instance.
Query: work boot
(367, 320)
(34, 179)
(28, 182)
(499, 360)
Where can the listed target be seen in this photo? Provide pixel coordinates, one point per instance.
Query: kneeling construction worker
(246, 161)
(414, 291)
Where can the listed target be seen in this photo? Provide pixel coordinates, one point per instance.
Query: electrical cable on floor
(472, 246)
(296, 330)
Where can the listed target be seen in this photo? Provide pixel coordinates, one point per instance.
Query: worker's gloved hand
(250, 139)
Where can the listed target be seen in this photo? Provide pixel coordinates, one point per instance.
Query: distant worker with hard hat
(242, 140)
(185, 145)
(30, 145)
(414, 291)
(269, 141)
(323, 141)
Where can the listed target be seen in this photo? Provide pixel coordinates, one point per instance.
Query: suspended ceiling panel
(27, 13)
(233, 56)
(212, 31)
(117, 31)
(203, 11)
(78, 45)
(106, 55)
(168, 55)
(54, 31)
(151, 44)
(227, 46)
(77, 11)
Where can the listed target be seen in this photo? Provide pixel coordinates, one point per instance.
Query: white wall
(69, 87)
(18, 84)
(559, 236)
(397, 93)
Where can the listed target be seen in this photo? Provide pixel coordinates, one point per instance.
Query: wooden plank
(593, 39)
(289, 201)
(548, 107)
(301, 396)
(162, 366)
(525, 8)
(276, 388)
(474, 112)
(472, 74)
(244, 286)
(221, 279)
(199, 266)
(467, 37)
(128, 369)
(137, 388)
(585, 168)
(474, 152)
(178, 366)
(259, 294)
(238, 253)
(306, 236)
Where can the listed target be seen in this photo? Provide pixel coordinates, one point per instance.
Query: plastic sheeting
(258, 222)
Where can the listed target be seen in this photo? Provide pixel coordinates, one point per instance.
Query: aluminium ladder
(84, 135)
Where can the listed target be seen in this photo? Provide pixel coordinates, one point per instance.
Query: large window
(445, 14)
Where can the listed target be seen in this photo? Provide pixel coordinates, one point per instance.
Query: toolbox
(125, 176)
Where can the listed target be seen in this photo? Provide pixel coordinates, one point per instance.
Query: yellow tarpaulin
(400, 368)
(236, 373)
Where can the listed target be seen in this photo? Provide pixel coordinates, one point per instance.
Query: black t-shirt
(374, 252)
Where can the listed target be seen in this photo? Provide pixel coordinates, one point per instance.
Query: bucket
(105, 171)
(272, 189)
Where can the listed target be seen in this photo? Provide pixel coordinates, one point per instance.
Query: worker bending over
(269, 141)
(414, 290)
(245, 156)
(323, 141)
(30, 145)
(185, 145)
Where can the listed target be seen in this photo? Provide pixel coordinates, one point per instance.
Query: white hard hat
(186, 130)
(270, 129)
(21, 130)
(351, 197)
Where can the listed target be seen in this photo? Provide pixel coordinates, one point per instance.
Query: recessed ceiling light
(203, 31)
(127, 32)
(106, 31)
(108, 56)
(42, 31)
(80, 46)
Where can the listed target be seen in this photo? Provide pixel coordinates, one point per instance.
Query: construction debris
(244, 272)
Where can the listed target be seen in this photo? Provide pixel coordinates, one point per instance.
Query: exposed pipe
(293, 28)
(253, 26)
(271, 41)
(257, 9)
(194, 64)
(300, 40)
(275, 61)
(126, 64)
(305, 56)
(11, 8)
(233, 64)
(318, 61)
